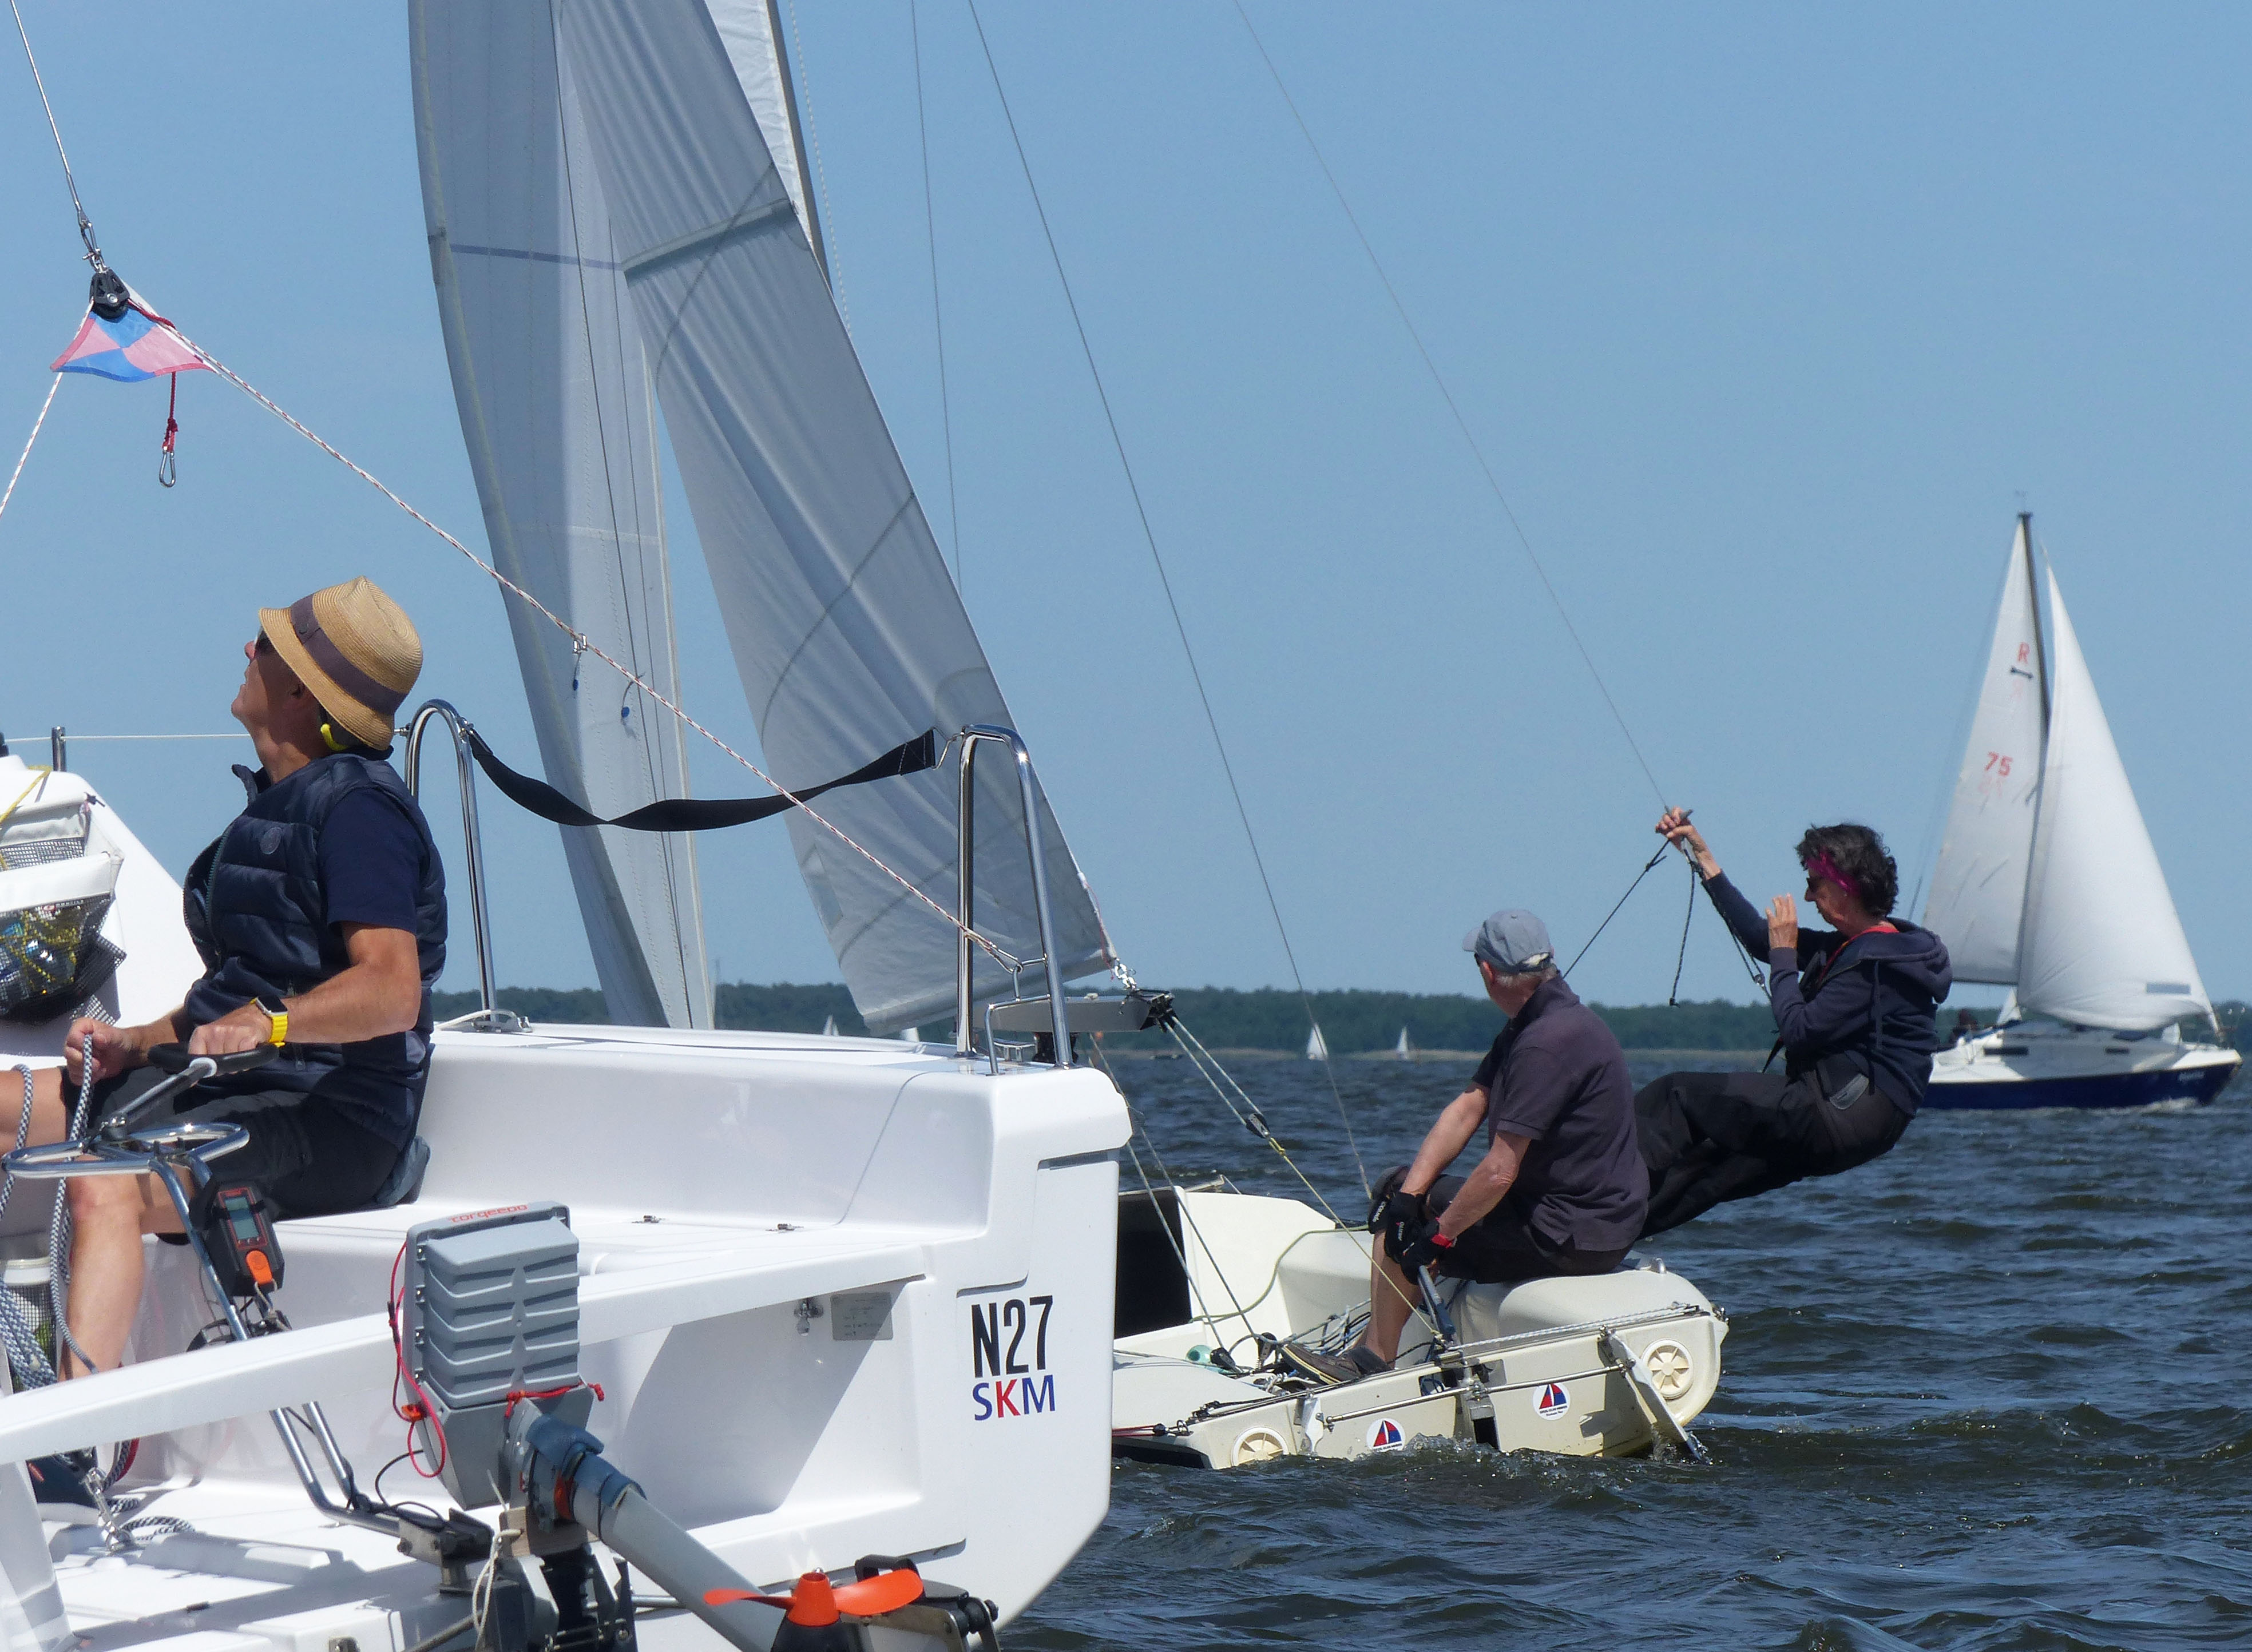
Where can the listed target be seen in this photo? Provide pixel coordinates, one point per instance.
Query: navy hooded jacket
(1874, 999)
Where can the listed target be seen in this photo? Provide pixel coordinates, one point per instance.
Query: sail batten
(2102, 944)
(1977, 895)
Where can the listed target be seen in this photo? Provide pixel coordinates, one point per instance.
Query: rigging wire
(1454, 408)
(85, 226)
(937, 315)
(24, 457)
(1149, 538)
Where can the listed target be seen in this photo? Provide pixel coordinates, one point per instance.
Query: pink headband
(1822, 866)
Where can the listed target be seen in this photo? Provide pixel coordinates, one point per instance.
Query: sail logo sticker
(1551, 1401)
(1009, 1358)
(1385, 1435)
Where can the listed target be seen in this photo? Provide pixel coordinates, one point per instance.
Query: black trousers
(1710, 1137)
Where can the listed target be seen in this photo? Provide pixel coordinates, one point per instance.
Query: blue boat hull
(2198, 1085)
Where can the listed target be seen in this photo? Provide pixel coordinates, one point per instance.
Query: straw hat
(355, 648)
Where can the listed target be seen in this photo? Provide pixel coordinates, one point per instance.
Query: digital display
(240, 1221)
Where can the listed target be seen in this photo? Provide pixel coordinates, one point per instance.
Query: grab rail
(972, 736)
(491, 1017)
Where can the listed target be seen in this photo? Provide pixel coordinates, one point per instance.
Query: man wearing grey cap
(1561, 1188)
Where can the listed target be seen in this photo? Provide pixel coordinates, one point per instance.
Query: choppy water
(1991, 1391)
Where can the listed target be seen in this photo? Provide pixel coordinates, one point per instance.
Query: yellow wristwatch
(277, 1020)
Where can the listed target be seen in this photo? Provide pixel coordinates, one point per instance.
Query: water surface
(1990, 1391)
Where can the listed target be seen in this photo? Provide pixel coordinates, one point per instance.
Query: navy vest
(257, 913)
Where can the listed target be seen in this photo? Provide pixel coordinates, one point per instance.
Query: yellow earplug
(328, 738)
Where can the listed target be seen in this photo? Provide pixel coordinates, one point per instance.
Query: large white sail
(847, 633)
(2102, 945)
(751, 31)
(1978, 887)
(549, 378)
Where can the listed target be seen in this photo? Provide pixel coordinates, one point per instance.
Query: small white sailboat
(1406, 1049)
(828, 1027)
(2047, 883)
(1318, 1048)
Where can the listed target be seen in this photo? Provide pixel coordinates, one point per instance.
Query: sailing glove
(1422, 1245)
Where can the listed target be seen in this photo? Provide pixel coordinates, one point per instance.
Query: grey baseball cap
(1513, 942)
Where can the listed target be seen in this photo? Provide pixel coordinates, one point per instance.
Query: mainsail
(2102, 945)
(554, 394)
(847, 633)
(1978, 887)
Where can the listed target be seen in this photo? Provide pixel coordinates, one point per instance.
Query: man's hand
(1421, 1246)
(1783, 925)
(116, 1049)
(1396, 1213)
(233, 1032)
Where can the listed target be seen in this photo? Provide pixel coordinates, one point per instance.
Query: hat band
(340, 671)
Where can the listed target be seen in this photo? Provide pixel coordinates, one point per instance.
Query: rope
(1149, 538)
(584, 644)
(1492, 482)
(1673, 992)
(85, 228)
(58, 1229)
(937, 316)
(17, 475)
(25, 1358)
(1648, 867)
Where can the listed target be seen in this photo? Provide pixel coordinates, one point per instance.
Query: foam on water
(1987, 1392)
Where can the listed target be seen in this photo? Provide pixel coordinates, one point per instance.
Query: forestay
(2104, 945)
(1978, 888)
(553, 395)
(846, 631)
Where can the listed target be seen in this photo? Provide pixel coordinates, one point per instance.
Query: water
(1990, 1391)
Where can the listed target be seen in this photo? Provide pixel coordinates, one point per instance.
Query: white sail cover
(553, 395)
(2102, 945)
(1978, 887)
(847, 633)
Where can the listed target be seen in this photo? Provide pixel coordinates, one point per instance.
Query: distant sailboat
(2047, 883)
(828, 1027)
(1405, 1048)
(1316, 1048)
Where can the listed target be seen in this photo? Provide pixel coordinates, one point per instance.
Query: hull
(2021, 1068)
(1612, 1365)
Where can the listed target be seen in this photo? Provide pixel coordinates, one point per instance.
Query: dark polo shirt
(1557, 1075)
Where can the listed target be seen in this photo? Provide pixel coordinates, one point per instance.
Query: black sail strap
(693, 814)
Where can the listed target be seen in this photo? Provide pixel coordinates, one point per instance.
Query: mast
(798, 138)
(2041, 677)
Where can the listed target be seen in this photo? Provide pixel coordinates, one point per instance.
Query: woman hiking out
(1856, 1008)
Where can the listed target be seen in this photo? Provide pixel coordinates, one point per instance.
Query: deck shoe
(63, 1477)
(1351, 1367)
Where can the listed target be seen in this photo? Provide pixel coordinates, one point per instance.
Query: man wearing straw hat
(320, 914)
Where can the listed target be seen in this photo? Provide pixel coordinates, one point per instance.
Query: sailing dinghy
(2047, 883)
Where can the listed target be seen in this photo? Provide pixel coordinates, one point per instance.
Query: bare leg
(110, 1214)
(1391, 1294)
(50, 1113)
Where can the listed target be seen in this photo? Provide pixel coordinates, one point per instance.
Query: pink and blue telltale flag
(136, 345)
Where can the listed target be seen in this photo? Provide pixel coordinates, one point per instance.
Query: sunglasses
(262, 645)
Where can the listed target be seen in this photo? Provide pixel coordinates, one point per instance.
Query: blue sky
(1767, 317)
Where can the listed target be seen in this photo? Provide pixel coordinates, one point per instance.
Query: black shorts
(1501, 1247)
(304, 1157)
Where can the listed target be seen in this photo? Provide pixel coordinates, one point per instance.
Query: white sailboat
(1318, 1048)
(1405, 1048)
(2047, 883)
(826, 1294)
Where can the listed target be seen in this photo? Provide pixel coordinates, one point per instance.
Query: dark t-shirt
(371, 861)
(1557, 1075)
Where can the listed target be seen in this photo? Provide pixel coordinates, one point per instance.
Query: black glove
(1418, 1245)
(1395, 1213)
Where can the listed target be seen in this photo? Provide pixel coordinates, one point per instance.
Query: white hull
(1610, 1365)
(726, 1189)
(2037, 1063)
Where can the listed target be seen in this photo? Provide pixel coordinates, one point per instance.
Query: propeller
(816, 1600)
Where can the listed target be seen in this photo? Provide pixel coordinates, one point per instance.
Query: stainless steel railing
(491, 1017)
(972, 736)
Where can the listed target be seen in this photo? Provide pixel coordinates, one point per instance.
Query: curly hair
(1860, 854)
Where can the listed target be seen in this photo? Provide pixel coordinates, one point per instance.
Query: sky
(1767, 318)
